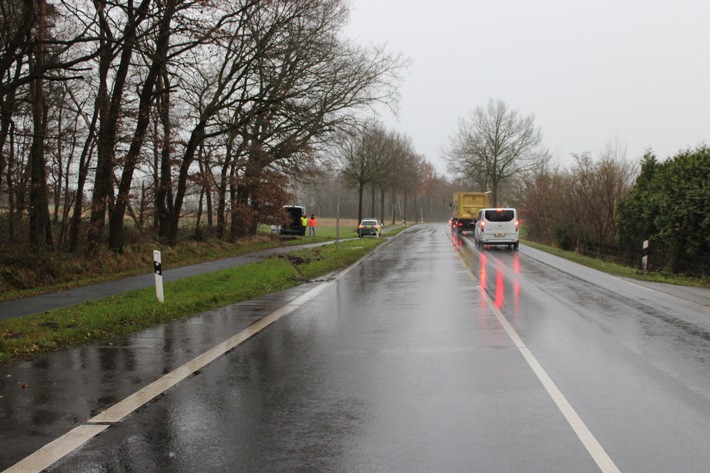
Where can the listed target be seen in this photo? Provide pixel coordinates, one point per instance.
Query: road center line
(605, 463)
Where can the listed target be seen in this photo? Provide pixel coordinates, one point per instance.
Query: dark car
(369, 227)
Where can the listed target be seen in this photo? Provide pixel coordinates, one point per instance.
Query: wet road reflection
(400, 365)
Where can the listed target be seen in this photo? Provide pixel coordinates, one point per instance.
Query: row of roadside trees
(108, 108)
(385, 164)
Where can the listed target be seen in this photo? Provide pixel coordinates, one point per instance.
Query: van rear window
(500, 215)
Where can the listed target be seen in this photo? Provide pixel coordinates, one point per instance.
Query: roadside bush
(669, 207)
(562, 238)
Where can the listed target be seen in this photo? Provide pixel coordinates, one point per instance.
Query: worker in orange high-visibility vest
(312, 224)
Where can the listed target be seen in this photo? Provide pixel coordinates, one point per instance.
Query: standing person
(312, 224)
(304, 224)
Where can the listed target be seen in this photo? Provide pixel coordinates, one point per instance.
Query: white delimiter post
(158, 276)
(644, 259)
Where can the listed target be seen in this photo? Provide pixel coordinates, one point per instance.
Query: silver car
(369, 227)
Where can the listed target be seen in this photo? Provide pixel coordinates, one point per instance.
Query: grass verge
(619, 269)
(92, 321)
(24, 273)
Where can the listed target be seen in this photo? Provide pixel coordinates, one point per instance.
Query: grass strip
(28, 274)
(92, 321)
(619, 269)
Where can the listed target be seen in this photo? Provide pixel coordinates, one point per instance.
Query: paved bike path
(46, 302)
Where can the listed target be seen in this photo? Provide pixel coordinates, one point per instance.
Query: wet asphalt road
(401, 364)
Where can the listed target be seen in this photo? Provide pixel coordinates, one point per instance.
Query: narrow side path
(46, 302)
(65, 298)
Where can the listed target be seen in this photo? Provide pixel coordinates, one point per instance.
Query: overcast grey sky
(635, 72)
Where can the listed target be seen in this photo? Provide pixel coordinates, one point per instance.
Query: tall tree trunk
(57, 190)
(11, 187)
(198, 234)
(243, 218)
(360, 193)
(156, 167)
(394, 195)
(110, 112)
(208, 201)
(416, 208)
(206, 180)
(103, 180)
(228, 169)
(145, 101)
(372, 199)
(222, 201)
(40, 224)
(164, 189)
(197, 136)
(84, 161)
(12, 55)
(144, 204)
(7, 105)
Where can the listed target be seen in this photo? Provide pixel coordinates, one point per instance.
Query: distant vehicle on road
(293, 226)
(497, 227)
(465, 207)
(369, 227)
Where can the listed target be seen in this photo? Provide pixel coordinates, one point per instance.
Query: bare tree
(315, 83)
(577, 206)
(357, 154)
(542, 194)
(249, 88)
(157, 64)
(494, 144)
(41, 44)
(113, 80)
(286, 81)
(597, 187)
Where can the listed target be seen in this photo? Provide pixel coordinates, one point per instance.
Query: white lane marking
(704, 308)
(120, 410)
(622, 279)
(54, 451)
(605, 463)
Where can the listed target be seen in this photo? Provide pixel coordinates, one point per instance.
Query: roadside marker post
(644, 259)
(158, 276)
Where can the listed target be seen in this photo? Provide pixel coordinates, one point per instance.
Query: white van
(497, 227)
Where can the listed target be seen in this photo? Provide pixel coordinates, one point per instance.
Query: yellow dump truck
(465, 207)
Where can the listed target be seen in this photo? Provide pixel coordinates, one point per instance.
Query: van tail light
(516, 225)
(483, 226)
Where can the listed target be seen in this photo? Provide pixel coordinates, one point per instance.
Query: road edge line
(62, 446)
